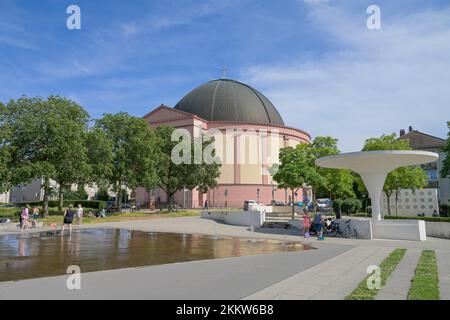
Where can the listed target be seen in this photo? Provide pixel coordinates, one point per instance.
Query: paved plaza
(330, 272)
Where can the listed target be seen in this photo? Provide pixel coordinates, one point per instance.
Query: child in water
(306, 223)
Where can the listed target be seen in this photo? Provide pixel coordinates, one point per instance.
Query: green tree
(386, 142)
(4, 151)
(445, 171)
(404, 178)
(401, 178)
(99, 149)
(71, 161)
(46, 141)
(132, 153)
(336, 183)
(78, 194)
(296, 169)
(102, 194)
(173, 176)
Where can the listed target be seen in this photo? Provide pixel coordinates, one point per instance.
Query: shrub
(337, 206)
(430, 219)
(347, 206)
(31, 204)
(444, 210)
(79, 194)
(356, 205)
(93, 204)
(9, 212)
(103, 194)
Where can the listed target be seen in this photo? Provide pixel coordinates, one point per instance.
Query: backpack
(318, 218)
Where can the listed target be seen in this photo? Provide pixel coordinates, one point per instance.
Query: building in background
(4, 197)
(28, 192)
(33, 192)
(422, 141)
(412, 203)
(248, 132)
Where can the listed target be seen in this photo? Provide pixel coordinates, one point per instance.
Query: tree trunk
(388, 196)
(313, 198)
(170, 201)
(119, 201)
(396, 204)
(293, 204)
(60, 198)
(150, 200)
(46, 196)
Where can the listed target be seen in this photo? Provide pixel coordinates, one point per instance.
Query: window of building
(432, 174)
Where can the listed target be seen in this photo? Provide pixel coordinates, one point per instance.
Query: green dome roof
(230, 100)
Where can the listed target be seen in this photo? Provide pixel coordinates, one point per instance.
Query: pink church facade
(247, 150)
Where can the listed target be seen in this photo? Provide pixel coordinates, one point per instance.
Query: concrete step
(277, 225)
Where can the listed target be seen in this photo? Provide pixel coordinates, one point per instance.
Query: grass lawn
(118, 217)
(425, 284)
(56, 217)
(9, 212)
(387, 266)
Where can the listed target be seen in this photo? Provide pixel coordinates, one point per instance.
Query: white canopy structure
(374, 166)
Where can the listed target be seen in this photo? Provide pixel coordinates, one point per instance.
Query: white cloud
(181, 16)
(81, 67)
(129, 29)
(381, 82)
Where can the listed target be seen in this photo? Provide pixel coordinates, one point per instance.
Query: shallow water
(35, 255)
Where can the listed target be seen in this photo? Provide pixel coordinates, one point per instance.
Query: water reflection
(46, 254)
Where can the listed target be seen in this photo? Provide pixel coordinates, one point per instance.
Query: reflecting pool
(33, 255)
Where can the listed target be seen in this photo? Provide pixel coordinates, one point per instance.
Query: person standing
(318, 219)
(35, 217)
(35, 213)
(306, 223)
(25, 217)
(206, 204)
(79, 213)
(68, 219)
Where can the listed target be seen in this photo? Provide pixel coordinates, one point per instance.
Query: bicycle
(337, 230)
(325, 228)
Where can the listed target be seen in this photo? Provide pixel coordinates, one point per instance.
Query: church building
(248, 132)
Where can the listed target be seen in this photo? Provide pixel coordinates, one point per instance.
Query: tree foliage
(78, 194)
(296, 169)
(336, 183)
(386, 142)
(5, 177)
(99, 149)
(445, 171)
(46, 141)
(173, 177)
(129, 157)
(412, 177)
(50, 139)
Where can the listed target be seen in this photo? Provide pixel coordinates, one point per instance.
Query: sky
(316, 60)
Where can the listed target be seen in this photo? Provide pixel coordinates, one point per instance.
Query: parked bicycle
(341, 229)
